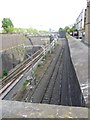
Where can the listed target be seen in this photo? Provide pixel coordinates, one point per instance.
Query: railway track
(13, 78)
(37, 94)
(19, 70)
(59, 84)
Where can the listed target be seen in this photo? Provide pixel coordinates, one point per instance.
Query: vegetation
(73, 29)
(26, 82)
(68, 29)
(61, 29)
(7, 25)
(44, 57)
(19, 96)
(39, 65)
(26, 30)
(5, 72)
(24, 87)
(29, 30)
(43, 31)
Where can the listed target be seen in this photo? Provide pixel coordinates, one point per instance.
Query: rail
(14, 77)
(17, 76)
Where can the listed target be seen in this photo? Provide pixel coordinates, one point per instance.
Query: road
(59, 84)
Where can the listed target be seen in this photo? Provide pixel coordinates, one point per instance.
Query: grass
(22, 92)
(26, 83)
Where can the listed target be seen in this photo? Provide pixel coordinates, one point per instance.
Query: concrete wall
(11, 40)
(12, 109)
(87, 26)
(12, 57)
(12, 50)
(38, 40)
(79, 55)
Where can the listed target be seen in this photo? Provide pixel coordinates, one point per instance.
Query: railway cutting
(59, 84)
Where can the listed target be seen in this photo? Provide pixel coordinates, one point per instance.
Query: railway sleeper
(55, 98)
(43, 84)
(48, 94)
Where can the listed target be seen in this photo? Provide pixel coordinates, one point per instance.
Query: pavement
(79, 55)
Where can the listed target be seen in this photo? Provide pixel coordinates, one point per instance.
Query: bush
(44, 57)
(49, 52)
(39, 65)
(5, 72)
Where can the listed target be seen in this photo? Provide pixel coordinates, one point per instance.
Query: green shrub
(39, 65)
(49, 52)
(44, 57)
(26, 82)
(5, 72)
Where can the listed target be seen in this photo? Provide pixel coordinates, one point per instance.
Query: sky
(41, 14)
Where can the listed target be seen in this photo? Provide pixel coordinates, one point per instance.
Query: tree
(66, 29)
(20, 30)
(73, 29)
(60, 29)
(7, 25)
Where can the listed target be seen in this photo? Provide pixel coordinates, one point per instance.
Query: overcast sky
(41, 14)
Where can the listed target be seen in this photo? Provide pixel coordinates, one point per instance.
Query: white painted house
(80, 23)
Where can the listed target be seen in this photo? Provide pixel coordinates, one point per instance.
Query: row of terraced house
(82, 24)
